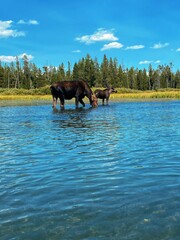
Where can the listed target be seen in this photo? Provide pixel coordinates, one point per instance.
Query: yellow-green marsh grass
(125, 93)
(147, 95)
(122, 93)
(25, 97)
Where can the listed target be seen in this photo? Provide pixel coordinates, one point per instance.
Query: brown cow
(77, 89)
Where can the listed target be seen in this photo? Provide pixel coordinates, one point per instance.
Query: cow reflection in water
(77, 89)
(73, 118)
(104, 94)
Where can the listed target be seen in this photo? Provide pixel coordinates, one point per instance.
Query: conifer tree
(75, 72)
(68, 72)
(151, 80)
(61, 72)
(1, 76)
(26, 74)
(18, 73)
(131, 78)
(177, 79)
(104, 71)
(97, 73)
(120, 77)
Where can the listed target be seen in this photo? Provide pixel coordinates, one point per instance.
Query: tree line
(25, 74)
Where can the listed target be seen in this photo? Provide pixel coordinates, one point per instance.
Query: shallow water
(106, 173)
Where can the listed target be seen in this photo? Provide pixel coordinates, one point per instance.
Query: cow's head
(94, 100)
(112, 90)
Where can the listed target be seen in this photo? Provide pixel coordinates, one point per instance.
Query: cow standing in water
(77, 89)
(104, 94)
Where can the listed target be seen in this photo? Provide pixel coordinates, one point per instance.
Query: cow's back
(68, 89)
(100, 93)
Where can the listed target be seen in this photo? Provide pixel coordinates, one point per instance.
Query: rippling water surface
(106, 173)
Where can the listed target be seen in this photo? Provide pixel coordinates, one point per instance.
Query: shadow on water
(88, 129)
(72, 118)
(71, 110)
(96, 122)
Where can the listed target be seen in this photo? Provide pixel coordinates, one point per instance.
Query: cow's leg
(54, 102)
(81, 101)
(107, 99)
(76, 102)
(62, 102)
(103, 101)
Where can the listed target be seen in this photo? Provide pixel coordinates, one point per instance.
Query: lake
(107, 173)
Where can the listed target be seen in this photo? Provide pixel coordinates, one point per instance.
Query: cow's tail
(52, 89)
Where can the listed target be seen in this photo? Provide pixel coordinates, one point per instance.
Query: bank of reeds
(146, 95)
(122, 93)
(25, 92)
(25, 97)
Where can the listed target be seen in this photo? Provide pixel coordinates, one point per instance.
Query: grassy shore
(44, 94)
(25, 97)
(147, 95)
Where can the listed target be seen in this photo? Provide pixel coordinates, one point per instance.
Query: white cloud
(100, 35)
(76, 51)
(21, 22)
(29, 56)
(178, 50)
(135, 47)
(160, 45)
(29, 22)
(33, 22)
(9, 59)
(145, 62)
(148, 62)
(7, 31)
(111, 45)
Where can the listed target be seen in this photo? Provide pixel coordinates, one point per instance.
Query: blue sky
(52, 32)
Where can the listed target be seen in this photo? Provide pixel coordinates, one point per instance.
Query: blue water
(106, 173)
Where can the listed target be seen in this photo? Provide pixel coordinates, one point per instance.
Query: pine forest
(26, 75)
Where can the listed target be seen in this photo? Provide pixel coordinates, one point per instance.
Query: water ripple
(105, 173)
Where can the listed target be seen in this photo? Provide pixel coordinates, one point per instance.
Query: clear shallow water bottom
(106, 173)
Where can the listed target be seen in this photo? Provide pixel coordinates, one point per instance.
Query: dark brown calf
(104, 94)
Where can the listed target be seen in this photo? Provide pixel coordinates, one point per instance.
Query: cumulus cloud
(100, 35)
(111, 45)
(160, 45)
(29, 56)
(135, 47)
(157, 61)
(7, 31)
(29, 22)
(145, 62)
(148, 62)
(76, 51)
(10, 59)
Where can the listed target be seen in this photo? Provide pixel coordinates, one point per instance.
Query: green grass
(125, 93)
(15, 91)
(122, 93)
(25, 97)
(149, 94)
